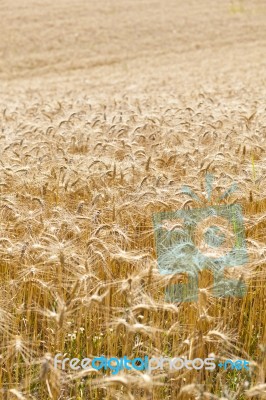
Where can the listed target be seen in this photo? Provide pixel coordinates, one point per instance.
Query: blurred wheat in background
(107, 110)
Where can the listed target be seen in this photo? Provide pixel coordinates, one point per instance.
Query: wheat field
(107, 110)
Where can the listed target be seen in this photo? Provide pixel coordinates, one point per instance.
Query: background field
(107, 109)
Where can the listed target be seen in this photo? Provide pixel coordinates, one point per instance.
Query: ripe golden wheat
(79, 184)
